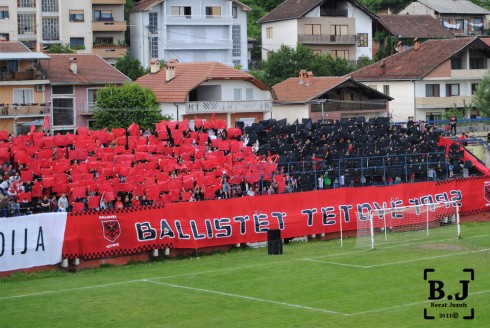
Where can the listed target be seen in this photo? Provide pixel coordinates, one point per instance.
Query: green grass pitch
(314, 284)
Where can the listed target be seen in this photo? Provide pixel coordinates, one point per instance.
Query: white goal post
(406, 223)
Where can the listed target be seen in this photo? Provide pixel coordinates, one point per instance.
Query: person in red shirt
(119, 204)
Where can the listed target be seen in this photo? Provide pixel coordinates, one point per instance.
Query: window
(62, 89)
(236, 37)
(154, 47)
(26, 3)
(477, 63)
(4, 12)
(452, 90)
(49, 5)
(25, 24)
(339, 29)
(12, 65)
(473, 87)
(313, 29)
(237, 63)
(432, 90)
(104, 40)
(91, 99)
(77, 16)
(340, 54)
(103, 15)
(456, 63)
(63, 111)
(386, 89)
(476, 25)
(362, 39)
(316, 52)
(23, 96)
(4, 36)
(78, 43)
(181, 11)
(433, 116)
(153, 23)
(237, 94)
(51, 29)
(213, 12)
(268, 33)
(234, 12)
(249, 94)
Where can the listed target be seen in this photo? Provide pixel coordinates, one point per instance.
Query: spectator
(63, 200)
(61, 207)
(452, 122)
(53, 204)
(119, 204)
(45, 204)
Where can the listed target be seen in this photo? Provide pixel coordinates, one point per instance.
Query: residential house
(460, 17)
(208, 90)
(72, 93)
(191, 31)
(22, 85)
(430, 78)
(327, 99)
(403, 29)
(86, 25)
(331, 27)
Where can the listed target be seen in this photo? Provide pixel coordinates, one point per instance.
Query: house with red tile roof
(430, 78)
(208, 89)
(460, 17)
(22, 85)
(340, 28)
(72, 93)
(405, 28)
(327, 99)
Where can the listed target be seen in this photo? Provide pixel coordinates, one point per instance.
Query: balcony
(110, 51)
(88, 108)
(28, 75)
(201, 107)
(326, 39)
(108, 26)
(199, 20)
(23, 110)
(108, 2)
(442, 102)
(462, 74)
(190, 45)
(361, 105)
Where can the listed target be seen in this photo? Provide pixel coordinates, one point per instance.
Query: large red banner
(195, 225)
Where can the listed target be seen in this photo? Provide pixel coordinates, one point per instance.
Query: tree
(119, 106)
(287, 62)
(130, 66)
(481, 97)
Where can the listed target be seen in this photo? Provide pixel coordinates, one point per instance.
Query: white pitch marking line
(407, 305)
(66, 290)
(247, 297)
(337, 263)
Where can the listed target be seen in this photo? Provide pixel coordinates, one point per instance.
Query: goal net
(407, 223)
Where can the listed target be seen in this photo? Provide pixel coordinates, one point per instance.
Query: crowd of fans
(175, 162)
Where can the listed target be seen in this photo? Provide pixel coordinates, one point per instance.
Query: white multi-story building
(338, 28)
(191, 31)
(86, 25)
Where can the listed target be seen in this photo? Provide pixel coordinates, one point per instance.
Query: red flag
(212, 119)
(46, 123)
(33, 128)
(134, 130)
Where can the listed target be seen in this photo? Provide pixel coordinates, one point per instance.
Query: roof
(294, 9)
(292, 91)
(17, 51)
(411, 26)
(458, 7)
(189, 76)
(486, 40)
(415, 64)
(144, 5)
(92, 69)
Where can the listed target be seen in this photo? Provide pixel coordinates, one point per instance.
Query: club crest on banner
(486, 191)
(111, 229)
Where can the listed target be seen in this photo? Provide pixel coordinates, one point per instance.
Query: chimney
(309, 78)
(302, 76)
(383, 68)
(170, 69)
(400, 46)
(73, 65)
(416, 44)
(154, 66)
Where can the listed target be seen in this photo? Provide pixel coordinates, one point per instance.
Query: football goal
(407, 223)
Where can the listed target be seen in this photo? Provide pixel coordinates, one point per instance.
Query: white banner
(32, 240)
